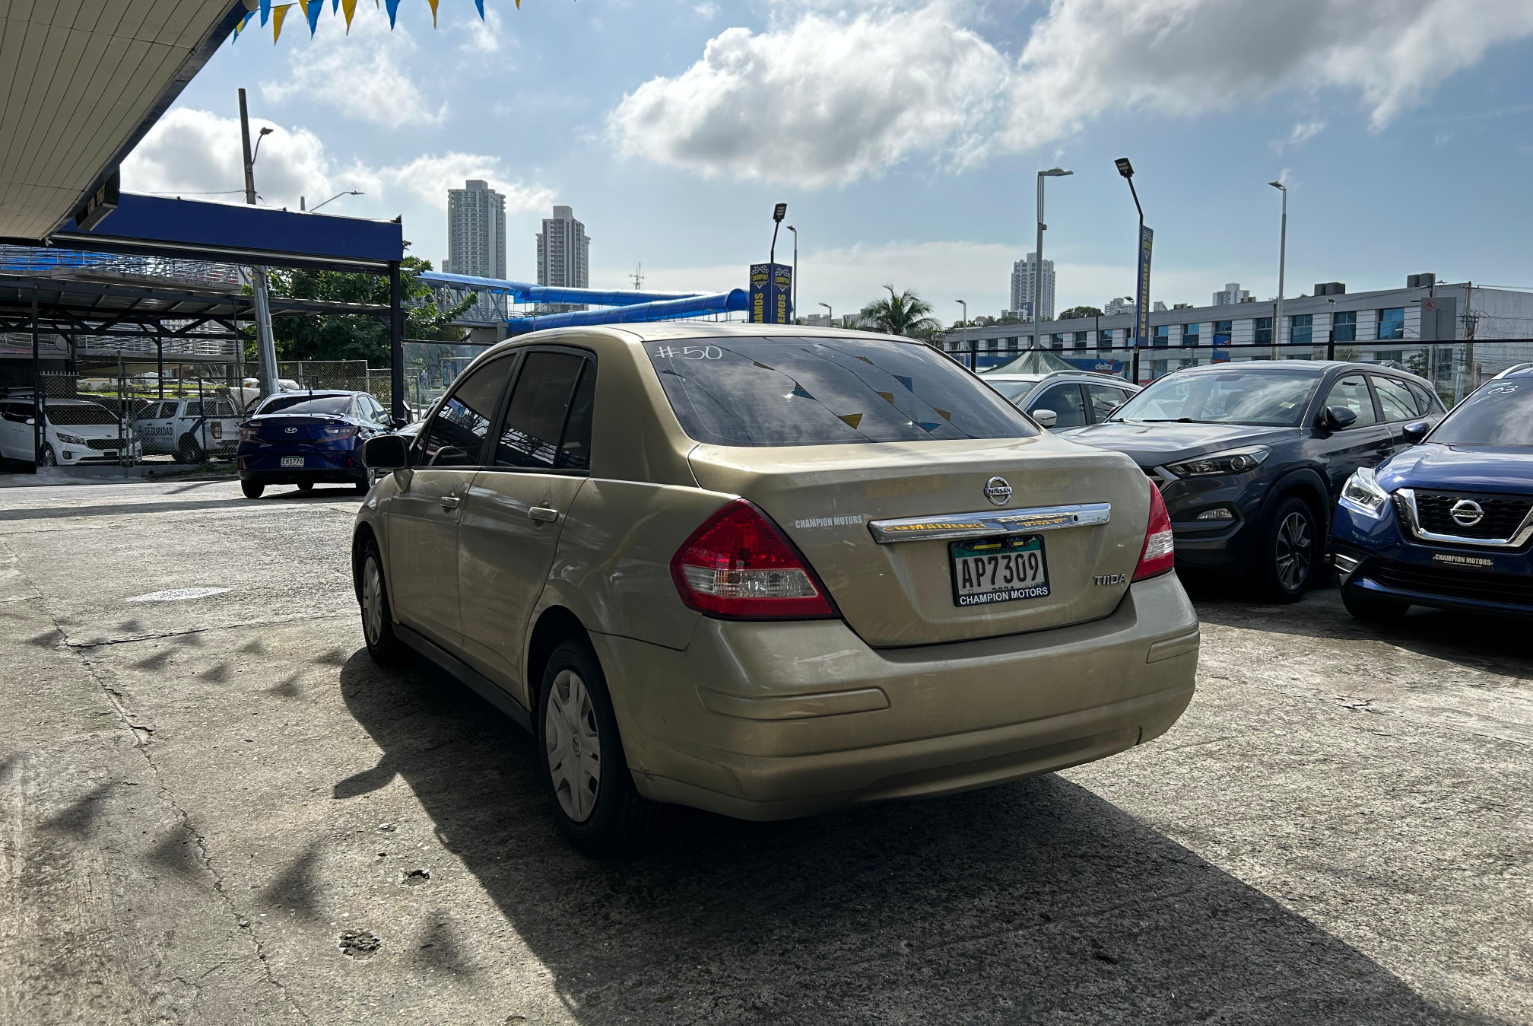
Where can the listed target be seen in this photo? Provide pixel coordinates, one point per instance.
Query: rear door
(424, 513)
(1366, 443)
(517, 506)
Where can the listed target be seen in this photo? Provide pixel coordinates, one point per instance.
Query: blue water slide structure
(610, 306)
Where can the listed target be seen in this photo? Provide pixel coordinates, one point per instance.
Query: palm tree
(903, 313)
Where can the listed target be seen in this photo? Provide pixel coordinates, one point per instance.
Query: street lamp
(1054, 172)
(795, 269)
(829, 312)
(1141, 317)
(332, 199)
(964, 336)
(779, 212)
(1277, 319)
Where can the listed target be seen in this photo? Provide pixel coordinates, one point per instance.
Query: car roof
(317, 393)
(1317, 367)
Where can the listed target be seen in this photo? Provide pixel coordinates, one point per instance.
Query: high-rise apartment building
(1024, 288)
(1232, 294)
(476, 231)
(564, 251)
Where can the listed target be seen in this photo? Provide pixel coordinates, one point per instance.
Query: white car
(1063, 399)
(190, 429)
(75, 431)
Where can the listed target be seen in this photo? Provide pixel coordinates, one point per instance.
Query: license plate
(998, 570)
(110, 454)
(292, 461)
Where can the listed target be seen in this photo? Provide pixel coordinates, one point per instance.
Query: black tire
(363, 487)
(612, 820)
(1373, 609)
(50, 458)
(188, 451)
(252, 489)
(1290, 552)
(306, 487)
(383, 645)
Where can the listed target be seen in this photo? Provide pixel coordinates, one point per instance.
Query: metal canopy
(81, 82)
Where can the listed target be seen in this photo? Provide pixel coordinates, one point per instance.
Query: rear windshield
(1501, 413)
(825, 391)
(84, 413)
(1268, 397)
(336, 405)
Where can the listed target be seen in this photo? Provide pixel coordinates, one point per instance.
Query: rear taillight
(1158, 555)
(249, 433)
(738, 566)
(345, 431)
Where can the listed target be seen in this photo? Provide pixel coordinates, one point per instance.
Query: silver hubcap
(372, 601)
(574, 746)
(1294, 549)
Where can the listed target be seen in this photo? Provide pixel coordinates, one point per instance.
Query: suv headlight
(1362, 494)
(1222, 464)
(71, 439)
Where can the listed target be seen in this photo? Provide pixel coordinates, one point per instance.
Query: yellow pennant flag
(278, 16)
(433, 11)
(348, 8)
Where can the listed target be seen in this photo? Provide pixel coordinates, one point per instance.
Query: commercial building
(564, 251)
(476, 231)
(1024, 287)
(1187, 336)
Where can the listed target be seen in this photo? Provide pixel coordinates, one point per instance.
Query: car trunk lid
(898, 592)
(277, 427)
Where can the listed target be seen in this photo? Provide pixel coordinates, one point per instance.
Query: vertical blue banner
(1142, 313)
(771, 294)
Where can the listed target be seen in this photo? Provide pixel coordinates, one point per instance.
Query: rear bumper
(769, 721)
(264, 464)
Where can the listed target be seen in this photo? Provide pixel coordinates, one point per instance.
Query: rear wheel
(306, 487)
(252, 489)
(188, 451)
(581, 759)
(1372, 608)
(1290, 551)
(362, 487)
(383, 645)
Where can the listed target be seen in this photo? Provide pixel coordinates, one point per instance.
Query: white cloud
(831, 97)
(1301, 133)
(483, 36)
(192, 152)
(361, 75)
(706, 10)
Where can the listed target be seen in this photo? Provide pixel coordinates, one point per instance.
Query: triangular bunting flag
(243, 22)
(393, 6)
(265, 11)
(433, 12)
(335, 5)
(799, 391)
(851, 419)
(314, 9)
(480, 4)
(944, 414)
(907, 382)
(888, 397)
(349, 8)
(278, 16)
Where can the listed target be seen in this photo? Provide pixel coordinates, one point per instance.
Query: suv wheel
(50, 458)
(1290, 550)
(581, 758)
(377, 620)
(1371, 608)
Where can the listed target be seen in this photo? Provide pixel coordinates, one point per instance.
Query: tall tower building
(564, 251)
(1024, 275)
(476, 231)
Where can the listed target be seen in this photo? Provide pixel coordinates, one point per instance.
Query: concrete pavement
(215, 809)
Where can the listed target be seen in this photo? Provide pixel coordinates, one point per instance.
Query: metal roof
(81, 81)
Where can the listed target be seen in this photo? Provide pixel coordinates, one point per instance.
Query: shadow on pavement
(1036, 901)
(63, 512)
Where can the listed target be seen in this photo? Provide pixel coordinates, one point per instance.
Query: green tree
(1079, 311)
(350, 336)
(903, 313)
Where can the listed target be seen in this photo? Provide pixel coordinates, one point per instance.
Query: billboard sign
(771, 294)
(1142, 313)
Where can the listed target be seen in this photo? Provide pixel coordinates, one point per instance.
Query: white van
(191, 430)
(75, 431)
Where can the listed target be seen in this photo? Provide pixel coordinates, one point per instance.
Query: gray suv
(1250, 457)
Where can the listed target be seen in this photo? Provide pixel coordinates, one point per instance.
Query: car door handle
(450, 501)
(542, 514)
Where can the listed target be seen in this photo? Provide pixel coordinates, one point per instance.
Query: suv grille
(1503, 514)
(103, 444)
(1452, 582)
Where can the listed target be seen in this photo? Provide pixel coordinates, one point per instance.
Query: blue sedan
(1447, 523)
(309, 438)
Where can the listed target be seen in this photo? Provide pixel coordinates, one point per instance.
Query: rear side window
(540, 405)
(1105, 400)
(1395, 399)
(825, 391)
(1425, 402)
(457, 433)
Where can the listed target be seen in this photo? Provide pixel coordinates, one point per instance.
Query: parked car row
(74, 432)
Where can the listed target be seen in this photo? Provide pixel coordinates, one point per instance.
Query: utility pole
(795, 270)
(266, 344)
(963, 340)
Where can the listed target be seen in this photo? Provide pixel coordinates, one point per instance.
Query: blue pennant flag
(393, 6)
(335, 5)
(480, 4)
(265, 10)
(241, 26)
(314, 8)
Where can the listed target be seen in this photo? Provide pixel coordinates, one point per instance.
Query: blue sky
(905, 136)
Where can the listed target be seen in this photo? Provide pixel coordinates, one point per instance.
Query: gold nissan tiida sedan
(770, 572)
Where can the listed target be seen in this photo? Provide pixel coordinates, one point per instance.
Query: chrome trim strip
(1519, 538)
(990, 523)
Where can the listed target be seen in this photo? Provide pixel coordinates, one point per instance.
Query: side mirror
(399, 422)
(1337, 418)
(31, 422)
(1046, 418)
(385, 452)
(1416, 431)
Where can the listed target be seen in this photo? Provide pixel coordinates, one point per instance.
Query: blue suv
(1449, 522)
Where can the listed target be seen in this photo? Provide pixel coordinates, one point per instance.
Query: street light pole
(795, 270)
(831, 313)
(963, 337)
(266, 345)
(1277, 317)
(1056, 172)
(1127, 171)
(332, 199)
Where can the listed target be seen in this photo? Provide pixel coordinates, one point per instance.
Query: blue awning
(531, 292)
(663, 310)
